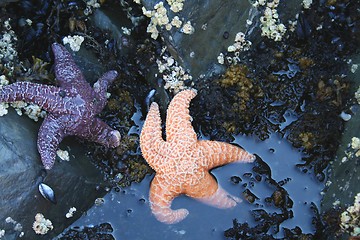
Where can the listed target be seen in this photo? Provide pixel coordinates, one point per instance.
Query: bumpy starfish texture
(182, 162)
(72, 106)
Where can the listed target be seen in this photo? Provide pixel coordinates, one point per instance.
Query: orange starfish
(182, 162)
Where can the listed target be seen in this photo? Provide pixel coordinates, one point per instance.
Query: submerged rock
(22, 171)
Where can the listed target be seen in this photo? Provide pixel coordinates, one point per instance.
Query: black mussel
(303, 28)
(47, 192)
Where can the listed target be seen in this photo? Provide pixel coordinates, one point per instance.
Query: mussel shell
(149, 98)
(47, 192)
(303, 28)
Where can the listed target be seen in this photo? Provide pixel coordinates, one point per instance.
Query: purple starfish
(72, 107)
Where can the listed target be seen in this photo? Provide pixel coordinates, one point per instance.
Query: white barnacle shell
(47, 192)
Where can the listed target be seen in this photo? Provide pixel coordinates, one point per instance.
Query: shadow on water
(130, 216)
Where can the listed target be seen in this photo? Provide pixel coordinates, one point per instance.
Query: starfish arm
(98, 131)
(178, 119)
(49, 136)
(161, 196)
(101, 86)
(221, 199)
(209, 192)
(67, 72)
(47, 97)
(220, 153)
(151, 142)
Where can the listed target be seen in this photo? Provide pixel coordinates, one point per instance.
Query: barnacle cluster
(63, 155)
(173, 74)
(159, 17)
(350, 219)
(176, 5)
(307, 3)
(17, 226)
(357, 95)
(353, 150)
(3, 106)
(41, 224)
(354, 67)
(90, 6)
(3, 109)
(99, 201)
(271, 25)
(8, 41)
(355, 144)
(74, 42)
(240, 44)
(71, 212)
(3, 81)
(33, 111)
